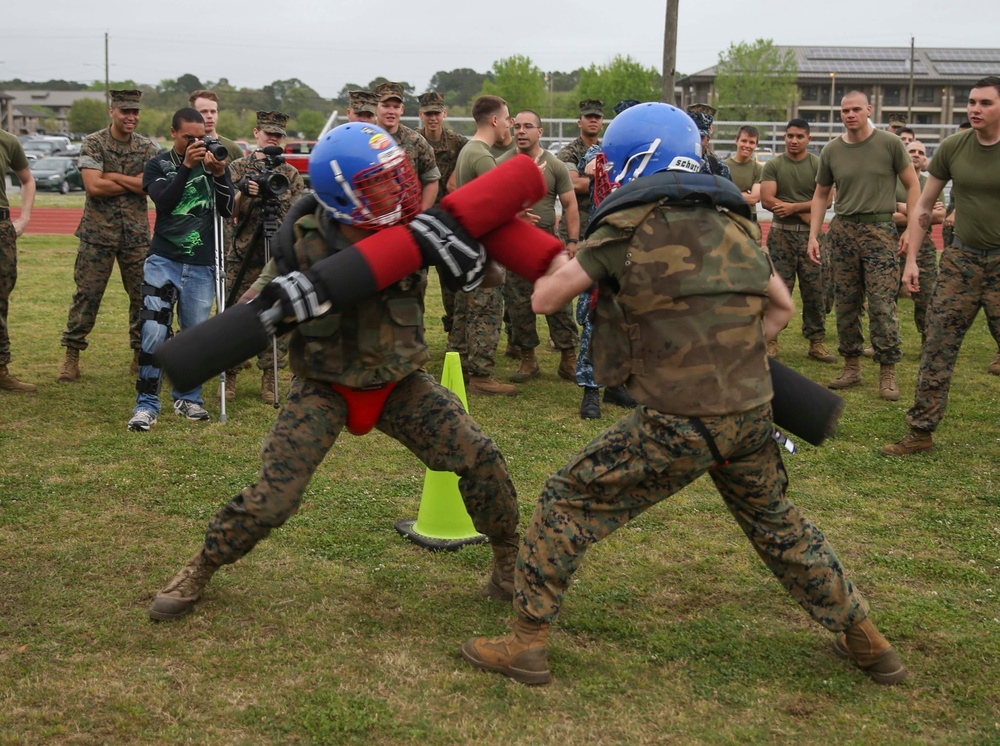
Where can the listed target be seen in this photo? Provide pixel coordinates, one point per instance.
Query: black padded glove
(445, 244)
(297, 298)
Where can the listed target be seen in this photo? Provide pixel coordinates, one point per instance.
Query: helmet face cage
(389, 193)
(603, 185)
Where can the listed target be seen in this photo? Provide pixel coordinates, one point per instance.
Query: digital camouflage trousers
(647, 457)
(421, 414)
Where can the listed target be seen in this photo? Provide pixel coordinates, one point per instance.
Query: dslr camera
(216, 148)
(270, 183)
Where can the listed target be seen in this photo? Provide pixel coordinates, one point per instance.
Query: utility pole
(669, 53)
(107, 76)
(909, 98)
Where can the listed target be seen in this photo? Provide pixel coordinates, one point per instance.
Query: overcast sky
(328, 43)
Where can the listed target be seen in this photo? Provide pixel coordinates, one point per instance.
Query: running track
(62, 221)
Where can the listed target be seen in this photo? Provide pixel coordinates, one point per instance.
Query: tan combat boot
(520, 654)
(915, 441)
(849, 376)
(772, 347)
(887, 387)
(267, 386)
(9, 383)
(501, 585)
(489, 385)
(529, 367)
(231, 384)
(567, 365)
(178, 597)
(994, 368)
(511, 351)
(70, 370)
(818, 351)
(872, 653)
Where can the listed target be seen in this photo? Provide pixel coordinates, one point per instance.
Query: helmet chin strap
(338, 175)
(646, 156)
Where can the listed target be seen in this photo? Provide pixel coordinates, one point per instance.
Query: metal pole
(107, 74)
(220, 300)
(909, 98)
(833, 83)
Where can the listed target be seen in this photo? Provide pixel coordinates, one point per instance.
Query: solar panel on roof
(964, 55)
(965, 68)
(857, 53)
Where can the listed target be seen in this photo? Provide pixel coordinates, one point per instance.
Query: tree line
(755, 81)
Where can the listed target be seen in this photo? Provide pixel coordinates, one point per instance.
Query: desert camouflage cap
(627, 103)
(126, 99)
(388, 90)
(272, 122)
(701, 109)
(897, 120)
(430, 102)
(591, 106)
(362, 101)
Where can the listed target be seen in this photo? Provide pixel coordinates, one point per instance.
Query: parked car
(57, 174)
(297, 156)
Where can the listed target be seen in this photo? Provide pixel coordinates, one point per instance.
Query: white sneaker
(185, 408)
(141, 421)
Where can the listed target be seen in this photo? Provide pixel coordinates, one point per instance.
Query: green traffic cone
(442, 520)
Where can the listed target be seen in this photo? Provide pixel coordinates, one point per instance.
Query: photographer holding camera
(266, 187)
(188, 184)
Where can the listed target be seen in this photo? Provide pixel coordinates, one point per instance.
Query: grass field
(337, 631)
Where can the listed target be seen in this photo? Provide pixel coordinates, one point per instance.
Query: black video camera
(216, 148)
(270, 183)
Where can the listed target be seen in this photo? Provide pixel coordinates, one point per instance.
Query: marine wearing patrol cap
(387, 90)
(126, 99)
(703, 116)
(362, 101)
(431, 102)
(272, 122)
(624, 104)
(591, 106)
(897, 120)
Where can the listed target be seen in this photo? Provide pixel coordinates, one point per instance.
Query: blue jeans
(195, 286)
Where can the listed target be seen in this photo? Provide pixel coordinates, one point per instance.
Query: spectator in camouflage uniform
(927, 253)
(698, 295)
(517, 291)
(704, 118)
(969, 273)
(591, 122)
(12, 158)
(419, 151)
(864, 163)
(114, 227)
(361, 106)
(786, 189)
(374, 353)
(249, 234)
(446, 144)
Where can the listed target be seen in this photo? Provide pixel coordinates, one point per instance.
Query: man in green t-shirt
(864, 163)
(927, 255)
(786, 189)
(969, 272)
(206, 103)
(744, 169)
(12, 157)
(517, 291)
(475, 328)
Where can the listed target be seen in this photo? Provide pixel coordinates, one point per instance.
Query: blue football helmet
(647, 139)
(363, 178)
